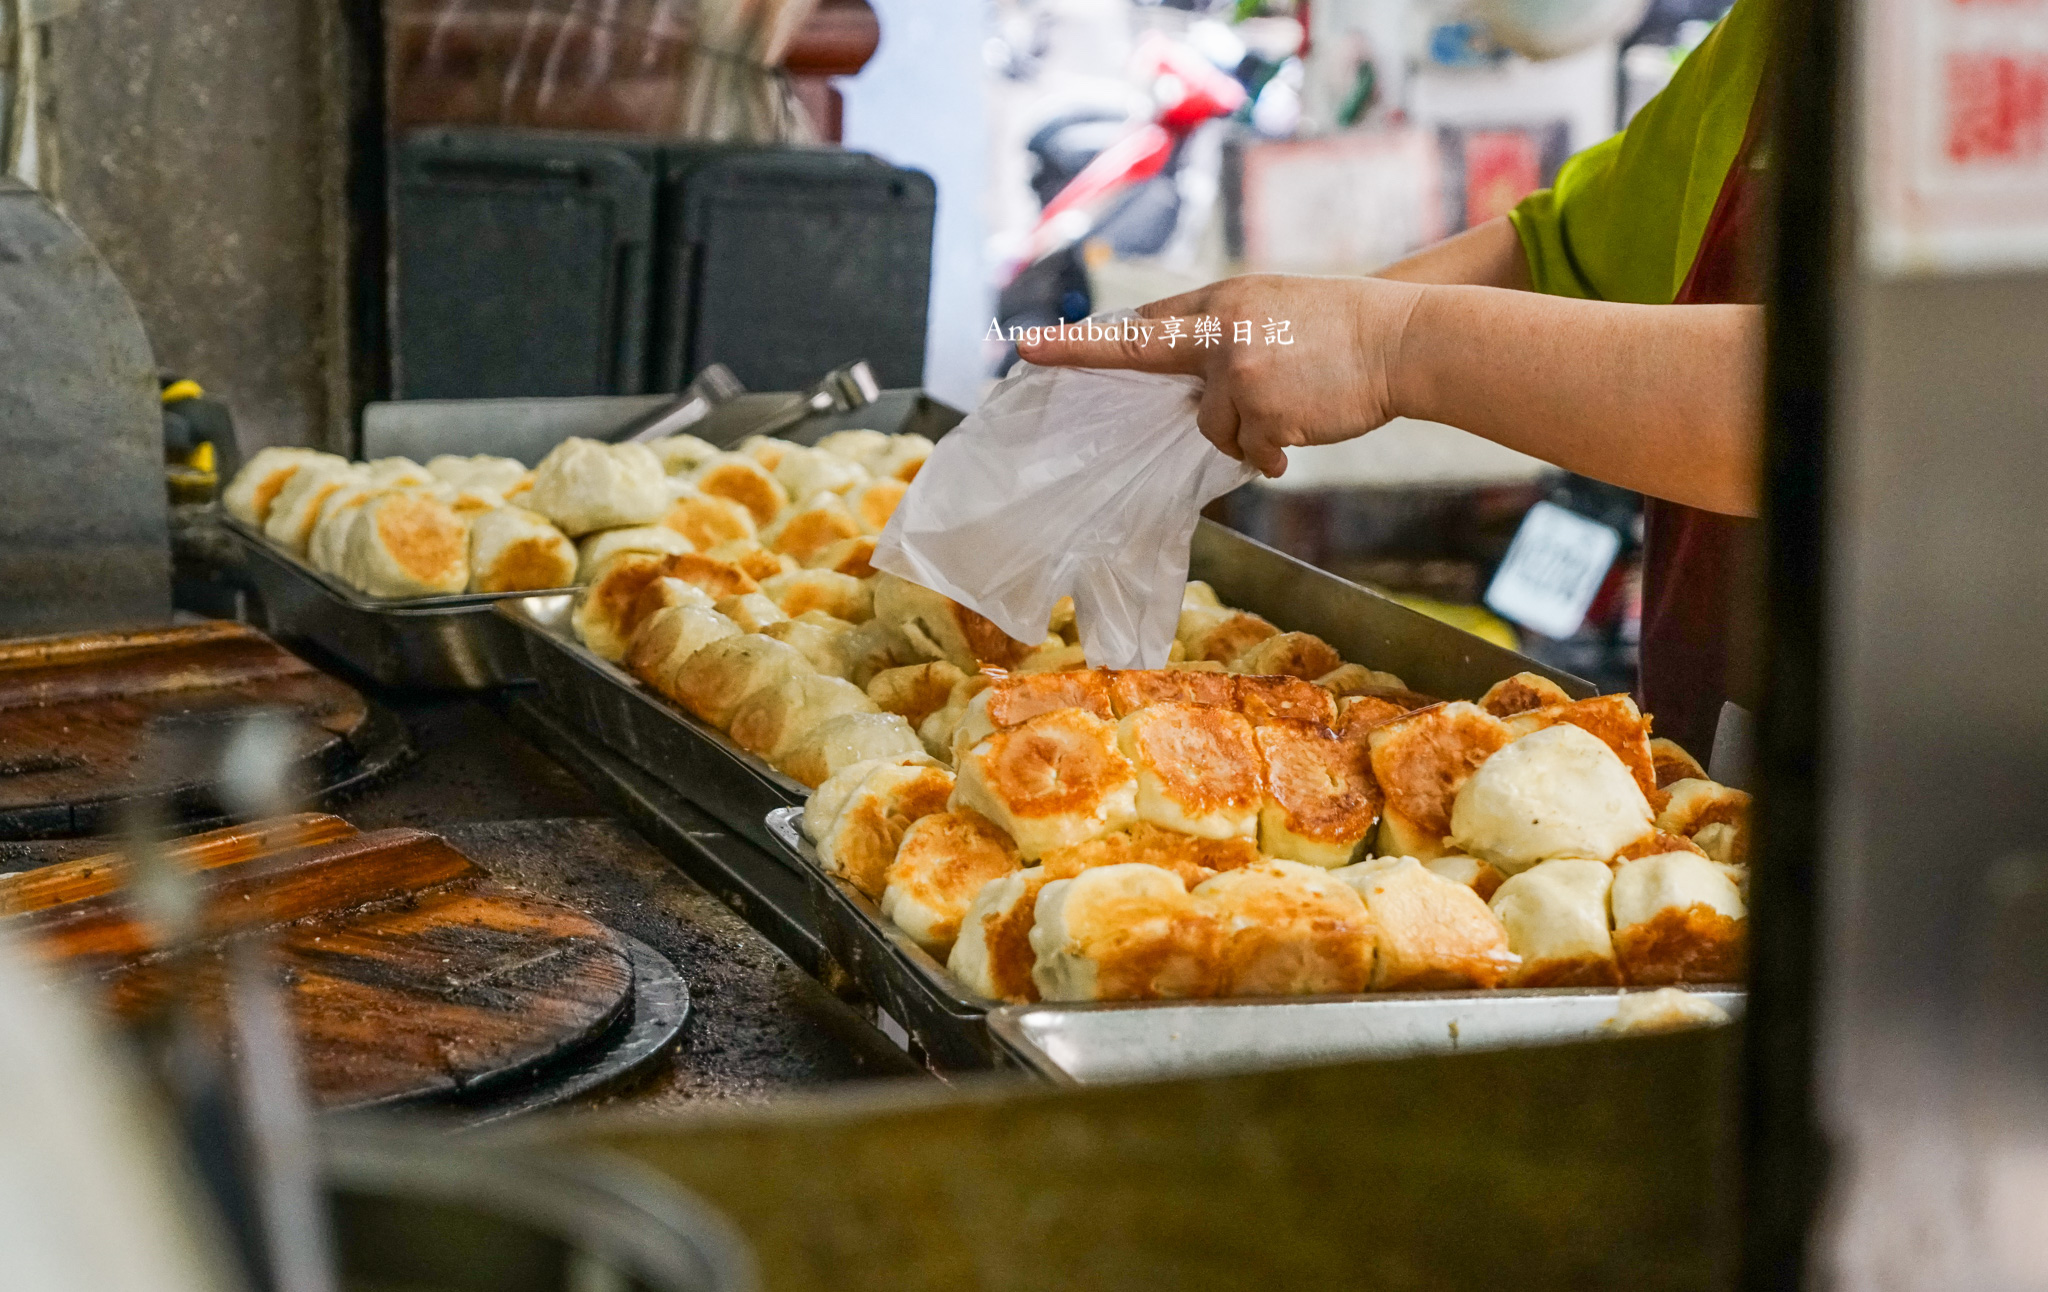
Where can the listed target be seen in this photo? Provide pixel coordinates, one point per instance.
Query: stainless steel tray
(447, 642)
(691, 757)
(1080, 1044)
(953, 1028)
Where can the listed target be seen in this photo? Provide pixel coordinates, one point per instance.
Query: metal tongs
(845, 388)
(707, 390)
(724, 419)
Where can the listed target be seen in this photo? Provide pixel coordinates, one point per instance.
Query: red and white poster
(1955, 106)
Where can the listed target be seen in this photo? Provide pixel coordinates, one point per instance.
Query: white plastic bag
(1067, 481)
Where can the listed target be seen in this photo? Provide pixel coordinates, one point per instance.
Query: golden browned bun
(854, 556)
(1655, 843)
(1672, 763)
(407, 545)
(582, 485)
(1357, 679)
(715, 681)
(1056, 780)
(715, 578)
(1619, 725)
(1321, 801)
(874, 502)
(1199, 595)
(915, 691)
(751, 611)
(708, 521)
(765, 449)
(1288, 930)
(1132, 689)
(327, 549)
(399, 473)
(757, 561)
(608, 609)
(944, 861)
(938, 730)
(1556, 918)
(516, 550)
(1482, 877)
(1421, 761)
(1713, 816)
(1559, 792)
(1301, 655)
(1268, 699)
(817, 636)
(860, 445)
(667, 591)
(256, 486)
(862, 839)
(873, 647)
(296, 509)
(1127, 932)
(480, 471)
(1434, 934)
(1012, 700)
(992, 956)
(944, 630)
(1198, 769)
(1521, 693)
(745, 481)
(1054, 656)
(851, 738)
(803, 532)
(1220, 634)
(599, 546)
(1358, 714)
(840, 595)
(771, 720)
(1193, 859)
(1677, 918)
(907, 453)
(668, 638)
(805, 473)
(682, 454)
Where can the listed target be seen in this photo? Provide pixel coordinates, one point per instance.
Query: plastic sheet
(1067, 482)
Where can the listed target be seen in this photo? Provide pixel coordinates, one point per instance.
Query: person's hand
(1334, 382)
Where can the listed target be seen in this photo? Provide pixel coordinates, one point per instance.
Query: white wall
(919, 102)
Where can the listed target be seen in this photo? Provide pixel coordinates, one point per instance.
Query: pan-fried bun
(1122, 933)
(945, 859)
(1056, 780)
(943, 629)
(765, 449)
(816, 636)
(1560, 792)
(745, 481)
(1193, 859)
(1301, 655)
(756, 561)
(850, 738)
(715, 578)
(1618, 724)
(407, 545)
(806, 473)
(1357, 679)
(854, 556)
(708, 521)
(1421, 761)
(1713, 816)
(862, 839)
(512, 549)
(1199, 769)
(916, 691)
(1677, 918)
(682, 454)
(771, 720)
(906, 455)
(595, 548)
(1358, 714)
(1054, 656)
(1197, 595)
(1321, 802)
(1133, 689)
(665, 642)
(805, 531)
(1220, 634)
(1673, 764)
(296, 509)
(840, 595)
(1433, 934)
(1287, 930)
(1482, 877)
(874, 502)
(831, 794)
(1268, 698)
(249, 495)
(607, 610)
(751, 611)
(992, 956)
(1521, 693)
(582, 485)
(1009, 701)
(1556, 917)
(715, 681)
(939, 728)
(860, 445)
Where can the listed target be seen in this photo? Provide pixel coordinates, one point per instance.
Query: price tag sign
(1553, 570)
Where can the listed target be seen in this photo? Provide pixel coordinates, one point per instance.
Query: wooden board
(408, 973)
(84, 719)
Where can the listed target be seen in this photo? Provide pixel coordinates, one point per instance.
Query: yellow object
(1477, 620)
(201, 458)
(178, 391)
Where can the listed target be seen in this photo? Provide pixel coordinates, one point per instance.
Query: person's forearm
(1662, 399)
(1489, 255)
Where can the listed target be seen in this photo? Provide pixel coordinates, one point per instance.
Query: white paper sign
(1553, 570)
(1954, 112)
